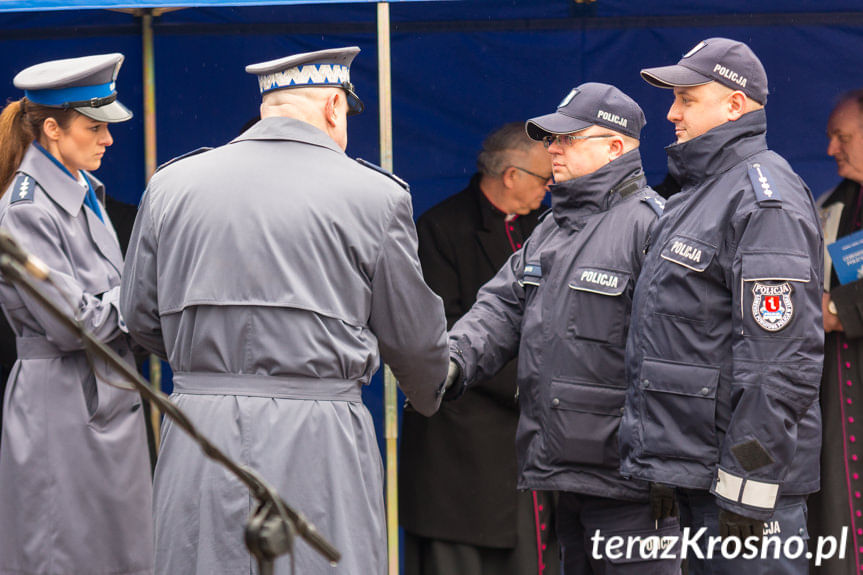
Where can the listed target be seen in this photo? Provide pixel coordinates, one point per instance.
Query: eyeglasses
(566, 140)
(534, 174)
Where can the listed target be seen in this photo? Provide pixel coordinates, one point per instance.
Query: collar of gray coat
(65, 191)
(288, 129)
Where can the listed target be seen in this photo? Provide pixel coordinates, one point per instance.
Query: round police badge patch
(772, 308)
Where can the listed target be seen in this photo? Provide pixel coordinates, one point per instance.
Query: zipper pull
(647, 242)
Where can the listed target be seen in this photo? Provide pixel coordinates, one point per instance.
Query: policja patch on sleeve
(770, 280)
(772, 308)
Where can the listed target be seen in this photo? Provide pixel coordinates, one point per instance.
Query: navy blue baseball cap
(591, 104)
(85, 84)
(331, 67)
(731, 63)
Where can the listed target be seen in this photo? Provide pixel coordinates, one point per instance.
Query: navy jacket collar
(718, 150)
(573, 201)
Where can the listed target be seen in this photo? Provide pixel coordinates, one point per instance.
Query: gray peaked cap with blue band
(323, 68)
(85, 84)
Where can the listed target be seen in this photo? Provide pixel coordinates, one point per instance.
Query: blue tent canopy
(43, 5)
(460, 68)
(608, 8)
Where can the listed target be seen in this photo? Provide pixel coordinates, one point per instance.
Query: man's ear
(736, 105)
(331, 110)
(508, 176)
(615, 148)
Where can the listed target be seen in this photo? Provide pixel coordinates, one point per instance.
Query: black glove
(732, 524)
(663, 503)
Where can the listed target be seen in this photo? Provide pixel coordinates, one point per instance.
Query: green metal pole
(390, 396)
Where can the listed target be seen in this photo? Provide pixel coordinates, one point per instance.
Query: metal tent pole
(390, 395)
(149, 168)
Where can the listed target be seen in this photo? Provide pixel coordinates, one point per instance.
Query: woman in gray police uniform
(75, 488)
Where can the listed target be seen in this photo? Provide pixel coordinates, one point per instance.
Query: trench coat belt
(310, 388)
(37, 348)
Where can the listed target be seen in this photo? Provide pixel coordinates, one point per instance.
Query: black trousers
(425, 556)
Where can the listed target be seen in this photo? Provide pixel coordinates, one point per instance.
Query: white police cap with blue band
(85, 84)
(331, 67)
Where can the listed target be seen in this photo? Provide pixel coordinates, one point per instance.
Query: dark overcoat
(458, 468)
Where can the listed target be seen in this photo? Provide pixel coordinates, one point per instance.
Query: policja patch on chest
(599, 280)
(772, 308)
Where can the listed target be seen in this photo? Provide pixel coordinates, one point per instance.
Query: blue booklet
(847, 256)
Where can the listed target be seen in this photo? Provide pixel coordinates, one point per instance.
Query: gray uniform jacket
(562, 303)
(725, 349)
(75, 488)
(270, 272)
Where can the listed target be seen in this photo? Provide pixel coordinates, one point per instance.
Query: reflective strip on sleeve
(745, 491)
(727, 485)
(759, 494)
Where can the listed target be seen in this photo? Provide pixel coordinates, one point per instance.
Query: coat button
(705, 391)
(555, 402)
(645, 382)
(622, 409)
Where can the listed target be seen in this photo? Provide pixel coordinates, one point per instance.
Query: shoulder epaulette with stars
(765, 193)
(656, 203)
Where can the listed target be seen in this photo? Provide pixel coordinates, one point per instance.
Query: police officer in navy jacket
(725, 353)
(562, 302)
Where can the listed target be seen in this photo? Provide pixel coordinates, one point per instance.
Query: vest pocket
(679, 411)
(582, 424)
(600, 305)
(682, 280)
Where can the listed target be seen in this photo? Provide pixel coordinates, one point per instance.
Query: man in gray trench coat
(270, 272)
